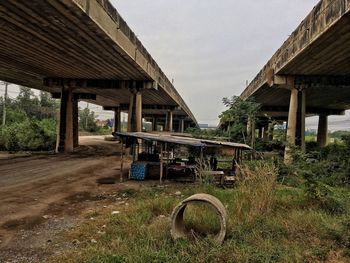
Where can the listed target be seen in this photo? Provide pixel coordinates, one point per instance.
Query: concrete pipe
(177, 221)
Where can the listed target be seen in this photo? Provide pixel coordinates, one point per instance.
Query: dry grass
(255, 192)
(268, 223)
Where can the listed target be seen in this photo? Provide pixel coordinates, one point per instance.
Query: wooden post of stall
(161, 164)
(121, 160)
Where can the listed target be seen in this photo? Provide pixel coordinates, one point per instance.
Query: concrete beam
(283, 110)
(100, 83)
(77, 96)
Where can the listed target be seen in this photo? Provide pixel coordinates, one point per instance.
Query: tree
(239, 113)
(48, 106)
(87, 120)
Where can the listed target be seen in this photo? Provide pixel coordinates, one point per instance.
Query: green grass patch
(268, 222)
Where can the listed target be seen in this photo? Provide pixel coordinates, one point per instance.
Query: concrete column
(138, 111)
(135, 112)
(253, 134)
(169, 122)
(271, 131)
(302, 121)
(260, 132)
(300, 128)
(249, 128)
(154, 124)
(75, 123)
(182, 126)
(131, 113)
(292, 123)
(66, 142)
(322, 132)
(117, 120)
(266, 133)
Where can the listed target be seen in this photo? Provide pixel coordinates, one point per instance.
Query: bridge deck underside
(54, 39)
(329, 54)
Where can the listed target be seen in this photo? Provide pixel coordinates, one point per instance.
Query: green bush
(268, 146)
(325, 196)
(10, 141)
(29, 135)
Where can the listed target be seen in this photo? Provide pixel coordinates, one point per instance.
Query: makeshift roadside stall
(159, 156)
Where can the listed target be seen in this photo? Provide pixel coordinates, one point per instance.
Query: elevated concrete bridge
(84, 50)
(310, 74)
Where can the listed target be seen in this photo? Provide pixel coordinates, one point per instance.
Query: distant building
(101, 123)
(203, 126)
(206, 126)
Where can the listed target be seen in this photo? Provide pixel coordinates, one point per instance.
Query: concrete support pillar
(135, 112)
(154, 124)
(266, 133)
(117, 120)
(169, 122)
(66, 142)
(182, 126)
(322, 132)
(303, 119)
(138, 110)
(292, 123)
(271, 131)
(301, 115)
(75, 123)
(131, 113)
(253, 134)
(249, 128)
(260, 129)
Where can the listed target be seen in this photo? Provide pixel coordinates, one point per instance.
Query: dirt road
(36, 188)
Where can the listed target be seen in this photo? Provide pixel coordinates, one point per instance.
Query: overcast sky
(211, 48)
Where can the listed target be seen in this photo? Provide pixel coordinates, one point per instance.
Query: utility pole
(4, 106)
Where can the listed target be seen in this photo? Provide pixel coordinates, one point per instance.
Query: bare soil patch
(42, 195)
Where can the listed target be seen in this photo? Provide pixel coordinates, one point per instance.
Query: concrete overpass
(84, 50)
(309, 74)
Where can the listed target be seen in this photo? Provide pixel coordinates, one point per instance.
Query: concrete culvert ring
(178, 229)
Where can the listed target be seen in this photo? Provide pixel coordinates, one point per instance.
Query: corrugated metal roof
(180, 140)
(160, 138)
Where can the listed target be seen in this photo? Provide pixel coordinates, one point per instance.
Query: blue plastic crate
(138, 171)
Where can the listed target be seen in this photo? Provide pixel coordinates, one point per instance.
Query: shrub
(325, 196)
(29, 135)
(10, 138)
(256, 186)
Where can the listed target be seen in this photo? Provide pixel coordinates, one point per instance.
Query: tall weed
(255, 191)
